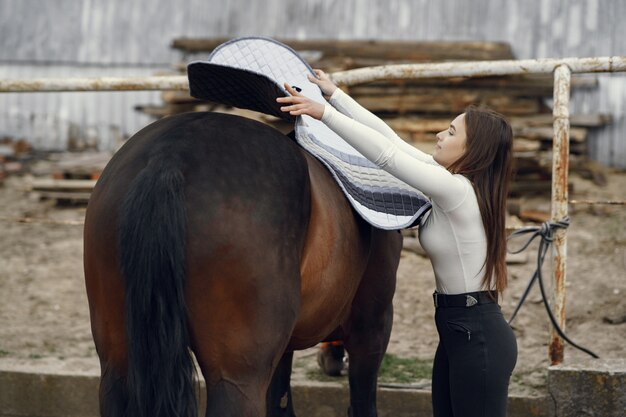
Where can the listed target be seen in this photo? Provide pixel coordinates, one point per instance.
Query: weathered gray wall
(91, 37)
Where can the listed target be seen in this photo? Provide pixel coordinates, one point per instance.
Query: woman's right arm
(446, 189)
(351, 108)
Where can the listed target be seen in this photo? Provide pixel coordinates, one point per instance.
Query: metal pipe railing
(561, 68)
(350, 77)
(166, 82)
(479, 69)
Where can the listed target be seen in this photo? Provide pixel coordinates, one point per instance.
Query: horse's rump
(212, 212)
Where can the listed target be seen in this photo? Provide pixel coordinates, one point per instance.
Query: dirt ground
(44, 319)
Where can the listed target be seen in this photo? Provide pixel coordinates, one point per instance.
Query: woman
(467, 180)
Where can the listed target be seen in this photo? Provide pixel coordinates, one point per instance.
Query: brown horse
(218, 235)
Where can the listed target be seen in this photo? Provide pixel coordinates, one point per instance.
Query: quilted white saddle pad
(249, 73)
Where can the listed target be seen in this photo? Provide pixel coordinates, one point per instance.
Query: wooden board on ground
(77, 191)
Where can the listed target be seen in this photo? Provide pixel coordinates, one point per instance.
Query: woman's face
(451, 142)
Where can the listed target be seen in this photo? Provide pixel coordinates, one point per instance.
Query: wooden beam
(64, 195)
(383, 50)
(52, 184)
(447, 102)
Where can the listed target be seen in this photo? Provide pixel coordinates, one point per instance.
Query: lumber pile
(67, 177)
(417, 109)
(74, 191)
(13, 156)
(336, 55)
(64, 177)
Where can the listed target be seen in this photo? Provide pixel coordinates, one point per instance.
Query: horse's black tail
(152, 236)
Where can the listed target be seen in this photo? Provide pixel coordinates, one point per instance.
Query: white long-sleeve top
(452, 234)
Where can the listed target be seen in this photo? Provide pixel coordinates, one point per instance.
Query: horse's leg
(279, 402)
(106, 303)
(236, 353)
(371, 320)
(109, 338)
(242, 307)
(113, 392)
(330, 357)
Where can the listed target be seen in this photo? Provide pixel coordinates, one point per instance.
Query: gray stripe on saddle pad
(394, 201)
(249, 73)
(344, 157)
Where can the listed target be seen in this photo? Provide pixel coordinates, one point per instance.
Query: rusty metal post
(560, 165)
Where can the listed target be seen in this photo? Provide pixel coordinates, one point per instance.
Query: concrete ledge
(593, 387)
(32, 394)
(331, 400)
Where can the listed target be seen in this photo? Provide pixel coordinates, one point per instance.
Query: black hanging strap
(546, 232)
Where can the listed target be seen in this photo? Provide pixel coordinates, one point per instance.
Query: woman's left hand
(297, 104)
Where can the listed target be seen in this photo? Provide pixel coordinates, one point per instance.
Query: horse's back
(220, 155)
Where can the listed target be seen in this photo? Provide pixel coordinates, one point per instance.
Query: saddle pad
(249, 73)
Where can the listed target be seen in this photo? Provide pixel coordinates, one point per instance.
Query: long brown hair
(486, 162)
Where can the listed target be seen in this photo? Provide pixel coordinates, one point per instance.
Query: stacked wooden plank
(67, 177)
(417, 109)
(13, 154)
(63, 190)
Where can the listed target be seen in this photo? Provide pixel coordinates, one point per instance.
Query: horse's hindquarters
(246, 208)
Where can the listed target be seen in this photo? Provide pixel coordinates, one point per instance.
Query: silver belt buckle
(470, 301)
(436, 301)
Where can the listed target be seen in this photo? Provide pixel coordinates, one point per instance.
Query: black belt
(469, 299)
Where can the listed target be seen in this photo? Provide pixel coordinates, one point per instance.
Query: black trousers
(476, 354)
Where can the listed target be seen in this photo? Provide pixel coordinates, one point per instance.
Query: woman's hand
(323, 82)
(297, 104)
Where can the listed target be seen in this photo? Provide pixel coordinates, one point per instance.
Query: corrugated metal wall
(50, 120)
(119, 37)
